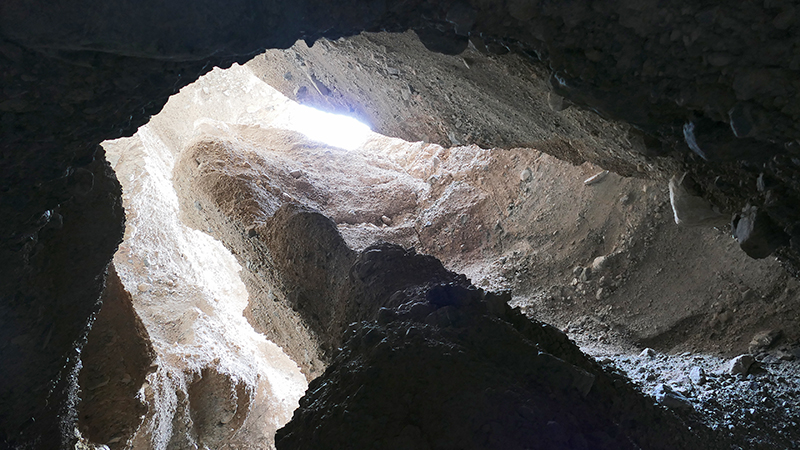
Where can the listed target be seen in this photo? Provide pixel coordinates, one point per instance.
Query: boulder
(757, 234)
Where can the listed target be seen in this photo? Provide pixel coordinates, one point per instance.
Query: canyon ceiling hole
(229, 188)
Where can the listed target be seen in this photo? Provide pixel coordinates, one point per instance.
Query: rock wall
(52, 281)
(215, 381)
(116, 359)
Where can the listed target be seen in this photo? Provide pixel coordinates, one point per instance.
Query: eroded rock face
(116, 359)
(52, 281)
(215, 381)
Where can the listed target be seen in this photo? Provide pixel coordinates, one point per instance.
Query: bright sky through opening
(331, 129)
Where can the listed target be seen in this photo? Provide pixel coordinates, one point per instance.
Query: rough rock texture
(296, 262)
(216, 381)
(392, 83)
(61, 216)
(757, 410)
(47, 303)
(714, 83)
(116, 358)
(449, 366)
(695, 80)
(604, 262)
(520, 235)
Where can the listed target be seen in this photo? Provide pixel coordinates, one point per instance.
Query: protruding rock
(697, 375)
(689, 209)
(586, 275)
(763, 340)
(386, 220)
(757, 234)
(669, 398)
(557, 103)
(741, 364)
(599, 263)
(647, 353)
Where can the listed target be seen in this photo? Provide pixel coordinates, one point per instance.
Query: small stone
(669, 398)
(647, 353)
(126, 379)
(757, 234)
(143, 287)
(764, 340)
(599, 295)
(405, 93)
(297, 173)
(697, 375)
(741, 364)
(596, 178)
(251, 232)
(526, 175)
(300, 92)
(599, 263)
(586, 275)
(386, 220)
(557, 103)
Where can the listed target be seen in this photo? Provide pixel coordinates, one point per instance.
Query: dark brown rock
(116, 359)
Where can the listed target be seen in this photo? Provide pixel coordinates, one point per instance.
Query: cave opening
(213, 185)
(693, 95)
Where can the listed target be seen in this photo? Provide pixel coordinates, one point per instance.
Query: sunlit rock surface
(216, 381)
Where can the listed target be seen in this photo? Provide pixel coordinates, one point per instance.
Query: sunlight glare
(331, 129)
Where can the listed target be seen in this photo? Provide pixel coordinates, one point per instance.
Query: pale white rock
(596, 178)
(741, 364)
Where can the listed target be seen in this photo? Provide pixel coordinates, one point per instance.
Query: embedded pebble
(741, 364)
(697, 375)
(669, 398)
(647, 353)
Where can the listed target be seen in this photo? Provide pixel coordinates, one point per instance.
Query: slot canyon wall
(704, 88)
